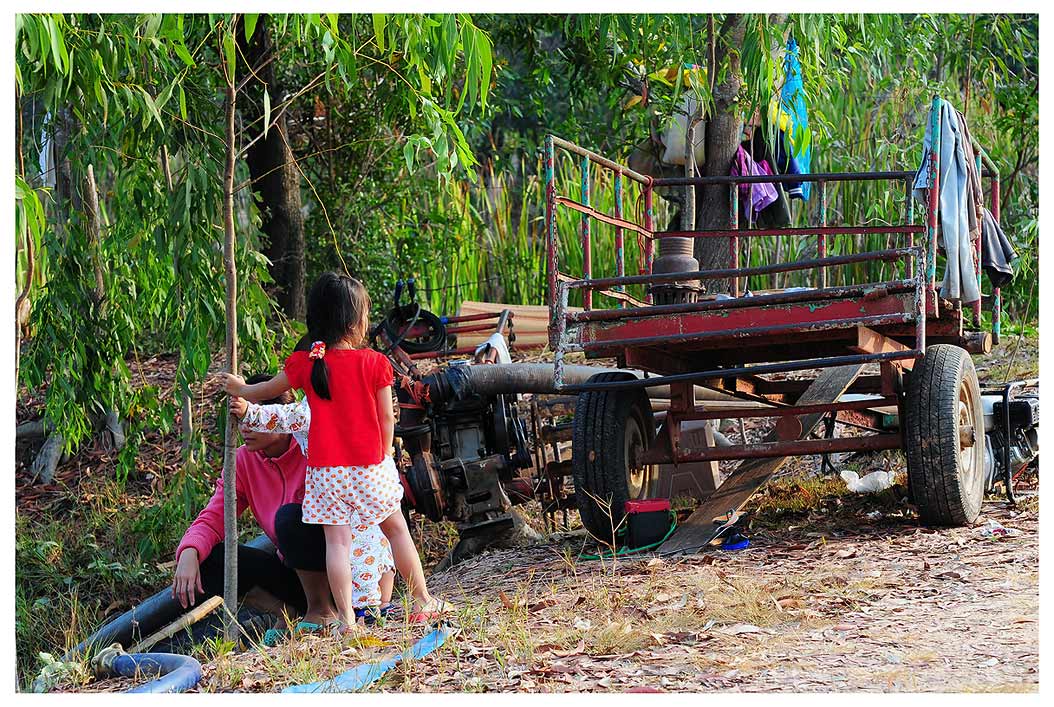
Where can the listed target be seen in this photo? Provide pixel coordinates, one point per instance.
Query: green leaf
(486, 63)
(228, 52)
(58, 47)
(267, 112)
(250, 25)
(378, 30)
(182, 103)
(408, 155)
(152, 107)
(181, 51)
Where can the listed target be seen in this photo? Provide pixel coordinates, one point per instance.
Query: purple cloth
(753, 197)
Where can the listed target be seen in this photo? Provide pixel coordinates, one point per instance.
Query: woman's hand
(233, 384)
(187, 578)
(238, 406)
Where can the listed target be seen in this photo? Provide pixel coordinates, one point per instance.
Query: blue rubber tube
(176, 673)
(362, 676)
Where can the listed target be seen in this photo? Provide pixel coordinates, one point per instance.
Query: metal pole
(933, 201)
(620, 255)
(977, 256)
(649, 244)
(733, 241)
(550, 234)
(997, 299)
(587, 253)
(910, 205)
(821, 243)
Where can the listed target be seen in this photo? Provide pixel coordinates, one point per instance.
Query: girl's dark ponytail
(320, 379)
(319, 370)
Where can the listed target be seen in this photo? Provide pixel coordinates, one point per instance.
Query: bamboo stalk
(230, 517)
(188, 619)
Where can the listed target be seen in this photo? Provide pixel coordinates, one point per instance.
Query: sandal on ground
(439, 609)
(372, 615)
(275, 636)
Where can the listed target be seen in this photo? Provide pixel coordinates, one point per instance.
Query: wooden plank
(870, 341)
(699, 530)
(529, 322)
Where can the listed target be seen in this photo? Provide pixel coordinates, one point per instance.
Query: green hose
(632, 550)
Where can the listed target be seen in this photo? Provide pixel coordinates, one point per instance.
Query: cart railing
(920, 264)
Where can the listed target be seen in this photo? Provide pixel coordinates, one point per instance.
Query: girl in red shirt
(349, 465)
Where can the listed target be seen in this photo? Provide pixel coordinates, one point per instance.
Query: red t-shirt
(344, 430)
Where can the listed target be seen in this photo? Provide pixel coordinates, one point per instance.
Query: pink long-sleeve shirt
(263, 484)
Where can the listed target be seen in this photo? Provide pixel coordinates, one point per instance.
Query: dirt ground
(837, 592)
(848, 595)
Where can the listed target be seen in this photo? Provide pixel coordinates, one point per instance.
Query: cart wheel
(611, 428)
(944, 437)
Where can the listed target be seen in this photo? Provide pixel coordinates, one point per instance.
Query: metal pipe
(600, 216)
(550, 233)
(785, 411)
(782, 178)
(587, 250)
(733, 238)
(620, 254)
(892, 254)
(808, 231)
(649, 225)
(821, 243)
(934, 188)
(602, 161)
(786, 367)
(997, 299)
(604, 315)
(768, 450)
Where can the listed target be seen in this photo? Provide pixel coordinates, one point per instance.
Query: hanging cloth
(997, 253)
(957, 202)
(752, 197)
(793, 118)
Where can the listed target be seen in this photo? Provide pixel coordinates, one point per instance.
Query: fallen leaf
(543, 604)
(577, 650)
(643, 689)
(740, 628)
(604, 682)
(505, 600)
(655, 562)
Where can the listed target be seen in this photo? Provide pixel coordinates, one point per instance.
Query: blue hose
(175, 673)
(364, 675)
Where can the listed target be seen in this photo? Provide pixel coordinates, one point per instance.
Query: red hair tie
(318, 350)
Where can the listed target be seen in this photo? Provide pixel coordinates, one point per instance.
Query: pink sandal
(441, 609)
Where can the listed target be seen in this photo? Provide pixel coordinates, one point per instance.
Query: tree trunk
(723, 132)
(275, 177)
(230, 513)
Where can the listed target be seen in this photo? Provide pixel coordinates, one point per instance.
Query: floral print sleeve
(294, 419)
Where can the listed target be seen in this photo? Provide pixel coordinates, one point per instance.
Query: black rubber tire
(599, 461)
(946, 479)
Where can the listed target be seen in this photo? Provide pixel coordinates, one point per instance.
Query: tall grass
(490, 243)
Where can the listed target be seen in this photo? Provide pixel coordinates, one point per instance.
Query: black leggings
(256, 568)
(303, 545)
